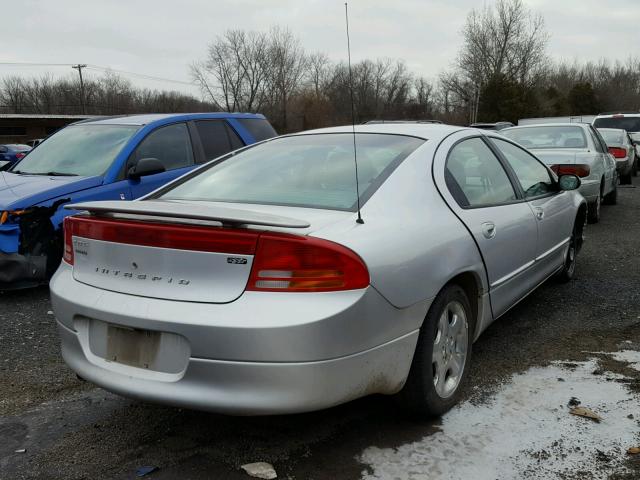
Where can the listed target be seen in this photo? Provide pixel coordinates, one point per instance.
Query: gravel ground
(73, 430)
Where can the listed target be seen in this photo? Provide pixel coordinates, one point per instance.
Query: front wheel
(568, 271)
(441, 360)
(611, 198)
(593, 211)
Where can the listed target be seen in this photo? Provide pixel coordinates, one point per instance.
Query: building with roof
(22, 127)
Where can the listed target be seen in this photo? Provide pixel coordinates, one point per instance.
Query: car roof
(618, 114)
(558, 124)
(146, 119)
(427, 131)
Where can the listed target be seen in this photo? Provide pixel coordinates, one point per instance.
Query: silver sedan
(576, 148)
(253, 286)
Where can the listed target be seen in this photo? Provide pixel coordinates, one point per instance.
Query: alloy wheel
(450, 349)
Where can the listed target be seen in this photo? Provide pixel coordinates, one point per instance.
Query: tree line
(503, 71)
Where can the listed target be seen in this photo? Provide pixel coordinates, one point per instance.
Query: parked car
(623, 150)
(575, 148)
(492, 126)
(629, 121)
(115, 158)
(253, 286)
(34, 142)
(10, 153)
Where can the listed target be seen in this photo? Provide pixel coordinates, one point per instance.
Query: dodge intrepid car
(255, 284)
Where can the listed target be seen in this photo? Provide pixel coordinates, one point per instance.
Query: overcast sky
(162, 37)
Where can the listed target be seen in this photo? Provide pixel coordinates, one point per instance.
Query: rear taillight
(579, 169)
(288, 263)
(179, 237)
(68, 240)
(20, 155)
(618, 152)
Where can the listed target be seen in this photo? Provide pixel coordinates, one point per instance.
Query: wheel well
(469, 283)
(602, 187)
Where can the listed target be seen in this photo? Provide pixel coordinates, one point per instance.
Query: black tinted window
(258, 128)
(171, 145)
(630, 124)
(475, 177)
(214, 137)
(532, 175)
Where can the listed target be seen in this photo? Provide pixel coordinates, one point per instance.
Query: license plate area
(136, 348)
(133, 350)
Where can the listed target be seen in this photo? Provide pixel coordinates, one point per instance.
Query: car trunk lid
(159, 249)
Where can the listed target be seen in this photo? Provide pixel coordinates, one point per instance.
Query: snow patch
(632, 357)
(525, 430)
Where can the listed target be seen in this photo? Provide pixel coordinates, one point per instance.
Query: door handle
(489, 229)
(538, 212)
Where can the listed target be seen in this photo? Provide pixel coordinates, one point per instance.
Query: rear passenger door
(171, 144)
(485, 198)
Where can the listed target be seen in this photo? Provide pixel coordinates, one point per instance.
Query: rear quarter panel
(410, 240)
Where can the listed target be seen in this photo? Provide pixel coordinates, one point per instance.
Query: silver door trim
(553, 249)
(509, 276)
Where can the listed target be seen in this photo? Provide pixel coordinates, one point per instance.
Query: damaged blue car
(108, 158)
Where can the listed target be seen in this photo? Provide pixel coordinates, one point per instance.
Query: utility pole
(79, 67)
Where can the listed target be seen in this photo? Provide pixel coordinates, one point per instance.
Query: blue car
(112, 158)
(11, 153)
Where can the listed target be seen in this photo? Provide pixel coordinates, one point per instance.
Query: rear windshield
(85, 150)
(612, 136)
(547, 136)
(19, 147)
(630, 124)
(259, 128)
(315, 171)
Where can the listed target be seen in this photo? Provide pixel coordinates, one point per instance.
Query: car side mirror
(144, 167)
(569, 182)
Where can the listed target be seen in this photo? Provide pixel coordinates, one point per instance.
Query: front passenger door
(502, 225)
(553, 212)
(171, 145)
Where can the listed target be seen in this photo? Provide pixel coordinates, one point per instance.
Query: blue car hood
(21, 191)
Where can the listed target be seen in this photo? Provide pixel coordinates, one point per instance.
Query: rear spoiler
(171, 209)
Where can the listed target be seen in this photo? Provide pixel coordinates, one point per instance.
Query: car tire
(635, 168)
(568, 271)
(442, 356)
(611, 198)
(593, 211)
(626, 179)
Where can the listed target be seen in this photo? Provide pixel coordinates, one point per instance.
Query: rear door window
(475, 177)
(171, 145)
(259, 128)
(217, 138)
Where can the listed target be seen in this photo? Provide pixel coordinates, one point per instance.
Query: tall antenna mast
(353, 115)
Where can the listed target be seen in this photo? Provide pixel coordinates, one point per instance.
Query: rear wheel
(441, 360)
(626, 178)
(593, 211)
(635, 168)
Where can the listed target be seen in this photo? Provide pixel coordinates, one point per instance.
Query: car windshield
(612, 136)
(630, 124)
(547, 136)
(84, 150)
(314, 171)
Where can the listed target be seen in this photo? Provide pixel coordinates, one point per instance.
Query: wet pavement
(577, 340)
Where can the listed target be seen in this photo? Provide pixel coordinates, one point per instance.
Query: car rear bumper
(21, 271)
(261, 354)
